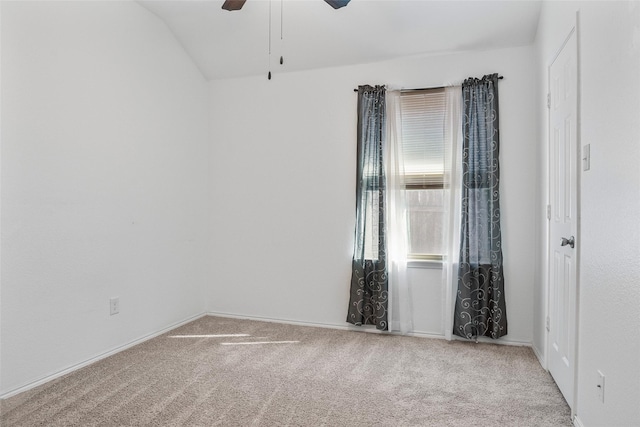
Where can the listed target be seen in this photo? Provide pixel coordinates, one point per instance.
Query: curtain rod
(428, 88)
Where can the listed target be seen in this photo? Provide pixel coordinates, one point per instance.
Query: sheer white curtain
(400, 309)
(452, 196)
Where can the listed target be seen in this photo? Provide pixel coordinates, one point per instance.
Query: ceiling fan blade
(233, 4)
(337, 4)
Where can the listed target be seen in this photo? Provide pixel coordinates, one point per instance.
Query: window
(371, 232)
(423, 113)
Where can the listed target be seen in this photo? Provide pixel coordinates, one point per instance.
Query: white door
(563, 239)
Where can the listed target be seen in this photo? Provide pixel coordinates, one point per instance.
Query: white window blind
(423, 138)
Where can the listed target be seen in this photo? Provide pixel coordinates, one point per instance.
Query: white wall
(104, 168)
(609, 66)
(283, 179)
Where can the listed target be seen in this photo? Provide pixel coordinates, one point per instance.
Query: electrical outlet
(114, 306)
(600, 386)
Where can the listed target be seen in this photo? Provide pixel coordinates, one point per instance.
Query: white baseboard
(343, 327)
(98, 357)
(501, 341)
(577, 422)
(540, 357)
(369, 329)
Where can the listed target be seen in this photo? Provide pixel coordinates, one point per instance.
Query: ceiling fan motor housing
(237, 4)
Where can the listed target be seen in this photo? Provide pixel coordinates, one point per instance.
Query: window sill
(423, 263)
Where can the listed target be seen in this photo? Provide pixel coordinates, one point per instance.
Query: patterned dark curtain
(480, 308)
(368, 304)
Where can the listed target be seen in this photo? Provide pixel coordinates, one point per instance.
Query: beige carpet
(298, 376)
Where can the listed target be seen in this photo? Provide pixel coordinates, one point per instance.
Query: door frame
(577, 164)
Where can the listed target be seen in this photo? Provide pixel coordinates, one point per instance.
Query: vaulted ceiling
(310, 34)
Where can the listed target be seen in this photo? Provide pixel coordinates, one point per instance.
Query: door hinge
(548, 211)
(548, 325)
(549, 100)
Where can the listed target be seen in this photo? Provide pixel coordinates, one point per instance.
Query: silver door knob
(570, 241)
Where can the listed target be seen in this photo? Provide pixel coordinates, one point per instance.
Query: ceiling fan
(237, 4)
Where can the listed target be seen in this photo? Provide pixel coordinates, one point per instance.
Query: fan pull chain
(269, 74)
(281, 30)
